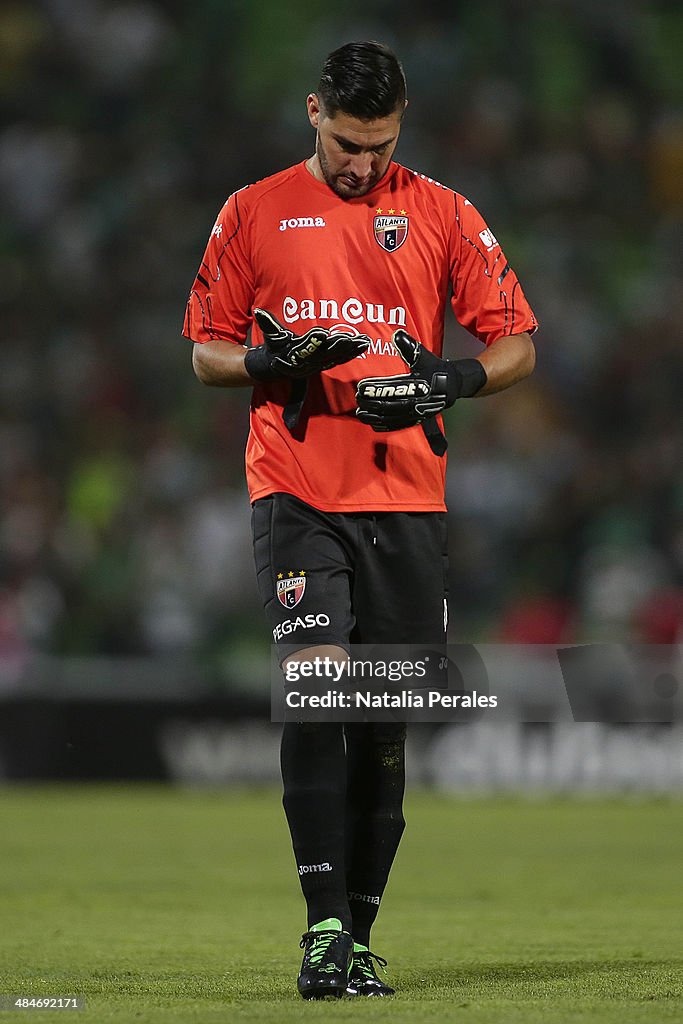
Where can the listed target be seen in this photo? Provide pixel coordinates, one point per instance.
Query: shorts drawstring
(374, 529)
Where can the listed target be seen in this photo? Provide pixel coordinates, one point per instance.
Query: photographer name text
(365, 699)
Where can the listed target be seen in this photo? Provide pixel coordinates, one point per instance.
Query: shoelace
(364, 961)
(317, 944)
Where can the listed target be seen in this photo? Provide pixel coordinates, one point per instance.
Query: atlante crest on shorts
(290, 588)
(390, 232)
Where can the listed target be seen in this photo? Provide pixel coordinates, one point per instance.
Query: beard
(343, 185)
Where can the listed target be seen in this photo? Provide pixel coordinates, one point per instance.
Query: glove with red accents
(285, 354)
(433, 384)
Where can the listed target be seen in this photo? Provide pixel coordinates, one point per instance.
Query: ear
(313, 107)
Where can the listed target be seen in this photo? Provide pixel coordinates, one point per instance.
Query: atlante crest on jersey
(390, 232)
(290, 588)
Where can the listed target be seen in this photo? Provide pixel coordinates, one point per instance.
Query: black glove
(284, 354)
(434, 384)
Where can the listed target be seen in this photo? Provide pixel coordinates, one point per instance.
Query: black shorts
(350, 578)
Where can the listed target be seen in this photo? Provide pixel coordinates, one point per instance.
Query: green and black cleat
(328, 954)
(363, 979)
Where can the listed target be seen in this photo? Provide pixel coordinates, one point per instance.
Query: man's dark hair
(364, 80)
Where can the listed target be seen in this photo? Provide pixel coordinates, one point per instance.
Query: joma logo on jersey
(302, 222)
(290, 588)
(415, 388)
(390, 232)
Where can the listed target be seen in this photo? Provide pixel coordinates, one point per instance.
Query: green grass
(161, 905)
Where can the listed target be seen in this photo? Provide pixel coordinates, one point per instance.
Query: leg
(375, 764)
(313, 762)
(402, 588)
(303, 574)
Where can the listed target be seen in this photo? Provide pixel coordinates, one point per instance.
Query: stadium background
(132, 642)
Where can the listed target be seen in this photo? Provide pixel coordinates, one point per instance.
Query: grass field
(159, 905)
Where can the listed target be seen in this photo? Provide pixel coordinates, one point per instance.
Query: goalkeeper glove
(433, 384)
(284, 354)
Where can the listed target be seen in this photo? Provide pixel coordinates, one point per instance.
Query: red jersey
(367, 265)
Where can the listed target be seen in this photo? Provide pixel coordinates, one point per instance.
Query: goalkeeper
(342, 267)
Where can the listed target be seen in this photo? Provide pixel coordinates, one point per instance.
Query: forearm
(221, 364)
(507, 361)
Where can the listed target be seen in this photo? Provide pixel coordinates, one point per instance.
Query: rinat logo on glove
(378, 387)
(408, 399)
(307, 350)
(285, 354)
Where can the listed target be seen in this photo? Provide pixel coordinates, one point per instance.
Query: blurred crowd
(124, 518)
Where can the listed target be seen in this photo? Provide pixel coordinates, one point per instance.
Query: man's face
(352, 155)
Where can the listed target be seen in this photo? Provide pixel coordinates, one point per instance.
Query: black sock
(375, 757)
(313, 764)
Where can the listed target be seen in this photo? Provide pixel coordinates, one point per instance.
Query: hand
(284, 354)
(434, 384)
